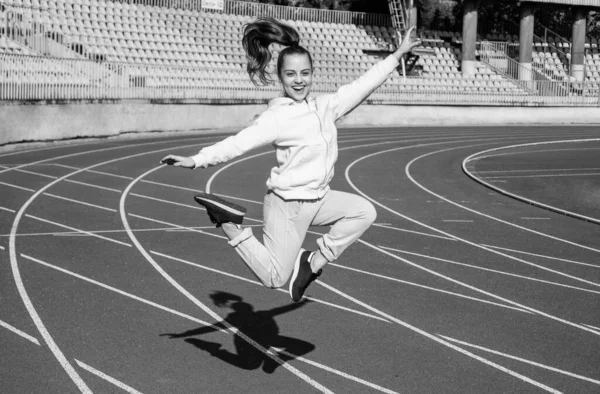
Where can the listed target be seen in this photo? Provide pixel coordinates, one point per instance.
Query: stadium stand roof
(586, 3)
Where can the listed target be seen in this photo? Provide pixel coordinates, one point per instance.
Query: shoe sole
(232, 208)
(295, 272)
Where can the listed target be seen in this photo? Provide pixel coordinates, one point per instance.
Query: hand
(408, 43)
(179, 161)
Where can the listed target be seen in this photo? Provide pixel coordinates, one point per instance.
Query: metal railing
(306, 14)
(24, 77)
(259, 9)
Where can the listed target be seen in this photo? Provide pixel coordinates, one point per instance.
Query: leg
(285, 226)
(349, 216)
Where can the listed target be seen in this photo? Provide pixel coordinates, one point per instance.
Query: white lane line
(7, 209)
(540, 170)
(593, 327)
(543, 366)
(137, 145)
(408, 174)
(527, 200)
(55, 196)
(412, 231)
(426, 287)
(542, 255)
(191, 229)
(198, 207)
(439, 340)
(138, 230)
(456, 221)
(68, 180)
(96, 172)
(19, 332)
(78, 230)
(490, 270)
(114, 289)
(32, 173)
(347, 175)
(539, 176)
(17, 187)
(197, 302)
(261, 285)
(110, 189)
(199, 191)
(58, 354)
(71, 180)
(109, 379)
(536, 151)
(533, 218)
(201, 322)
(337, 306)
(80, 202)
(477, 289)
(402, 140)
(336, 371)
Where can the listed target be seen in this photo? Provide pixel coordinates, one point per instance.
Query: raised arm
(350, 96)
(263, 131)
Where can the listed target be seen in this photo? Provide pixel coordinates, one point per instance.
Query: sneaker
(219, 210)
(302, 275)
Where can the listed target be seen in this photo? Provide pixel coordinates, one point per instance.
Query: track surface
(456, 288)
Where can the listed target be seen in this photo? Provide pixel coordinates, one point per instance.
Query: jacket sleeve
(263, 131)
(351, 95)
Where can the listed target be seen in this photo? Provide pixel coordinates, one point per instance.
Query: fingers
(416, 43)
(170, 160)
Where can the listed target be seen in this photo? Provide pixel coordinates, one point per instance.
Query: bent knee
(370, 213)
(276, 283)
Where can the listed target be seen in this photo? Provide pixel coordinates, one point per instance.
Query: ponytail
(261, 33)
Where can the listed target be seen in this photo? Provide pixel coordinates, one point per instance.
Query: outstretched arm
(262, 132)
(350, 96)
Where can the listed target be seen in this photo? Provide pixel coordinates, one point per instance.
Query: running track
(457, 288)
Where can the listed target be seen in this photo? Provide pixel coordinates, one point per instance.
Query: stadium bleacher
(138, 46)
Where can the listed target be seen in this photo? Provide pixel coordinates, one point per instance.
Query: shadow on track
(258, 325)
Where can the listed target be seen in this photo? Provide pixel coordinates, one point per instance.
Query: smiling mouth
(298, 88)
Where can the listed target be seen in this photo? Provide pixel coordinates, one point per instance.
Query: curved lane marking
(197, 302)
(439, 340)
(525, 199)
(430, 336)
(543, 366)
(58, 354)
(408, 174)
(448, 235)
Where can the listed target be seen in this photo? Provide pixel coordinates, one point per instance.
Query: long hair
(261, 33)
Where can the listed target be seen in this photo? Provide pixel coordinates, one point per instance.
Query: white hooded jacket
(303, 134)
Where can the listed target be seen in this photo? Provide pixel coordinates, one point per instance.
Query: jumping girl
(302, 130)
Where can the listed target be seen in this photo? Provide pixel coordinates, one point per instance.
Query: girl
(302, 130)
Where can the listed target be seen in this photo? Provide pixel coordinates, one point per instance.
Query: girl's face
(296, 76)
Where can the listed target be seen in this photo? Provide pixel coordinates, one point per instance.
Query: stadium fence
(25, 77)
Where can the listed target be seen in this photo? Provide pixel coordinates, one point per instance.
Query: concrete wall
(61, 121)
(384, 115)
(28, 122)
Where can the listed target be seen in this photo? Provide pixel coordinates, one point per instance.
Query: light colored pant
(285, 226)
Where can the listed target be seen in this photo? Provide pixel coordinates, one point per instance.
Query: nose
(298, 78)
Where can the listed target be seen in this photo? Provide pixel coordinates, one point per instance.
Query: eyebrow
(289, 69)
